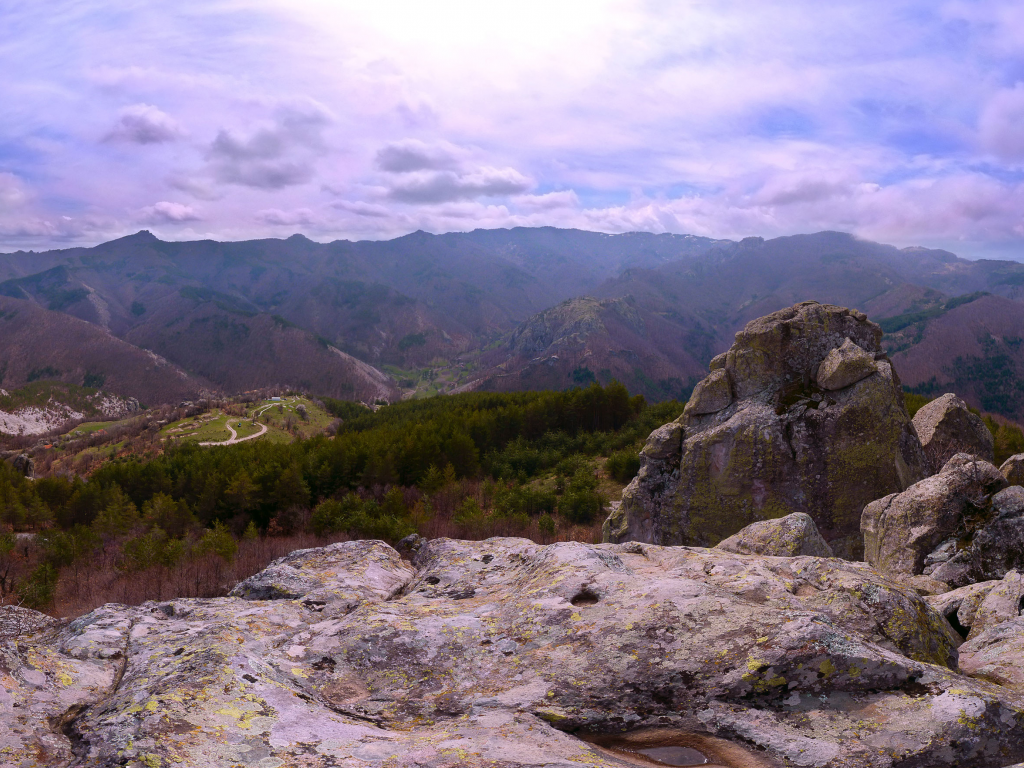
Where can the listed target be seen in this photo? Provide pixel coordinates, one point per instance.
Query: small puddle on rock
(670, 746)
(671, 755)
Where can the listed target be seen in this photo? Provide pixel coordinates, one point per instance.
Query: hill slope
(38, 344)
(487, 308)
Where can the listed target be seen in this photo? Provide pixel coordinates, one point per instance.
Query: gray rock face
(960, 606)
(711, 395)
(789, 536)
(782, 443)
(24, 464)
(1013, 469)
(995, 654)
(845, 366)
(902, 529)
(994, 613)
(506, 653)
(985, 549)
(946, 427)
(331, 580)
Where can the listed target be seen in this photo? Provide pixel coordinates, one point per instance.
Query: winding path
(234, 435)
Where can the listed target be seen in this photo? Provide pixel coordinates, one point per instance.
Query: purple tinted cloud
(145, 124)
(168, 213)
(894, 120)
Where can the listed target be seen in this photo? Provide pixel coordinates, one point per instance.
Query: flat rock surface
(506, 653)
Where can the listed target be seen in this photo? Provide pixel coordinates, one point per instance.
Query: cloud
(169, 213)
(802, 187)
(447, 186)
(413, 155)
(274, 156)
(549, 201)
(363, 209)
(12, 194)
(1001, 125)
(145, 124)
(275, 216)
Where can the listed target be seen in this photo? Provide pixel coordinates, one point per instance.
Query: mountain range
(523, 308)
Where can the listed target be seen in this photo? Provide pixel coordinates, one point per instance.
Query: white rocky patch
(35, 421)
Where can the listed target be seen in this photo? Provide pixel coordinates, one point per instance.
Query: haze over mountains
(488, 309)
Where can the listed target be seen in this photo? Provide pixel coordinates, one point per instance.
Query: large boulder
(902, 529)
(1013, 469)
(333, 580)
(985, 548)
(994, 649)
(946, 427)
(995, 654)
(506, 653)
(789, 536)
(803, 414)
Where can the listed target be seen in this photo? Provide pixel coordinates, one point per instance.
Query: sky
(901, 122)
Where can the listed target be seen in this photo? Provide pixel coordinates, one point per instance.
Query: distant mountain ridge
(505, 309)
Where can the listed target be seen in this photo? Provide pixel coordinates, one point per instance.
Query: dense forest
(192, 520)
(535, 464)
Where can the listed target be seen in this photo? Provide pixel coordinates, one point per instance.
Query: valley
(488, 310)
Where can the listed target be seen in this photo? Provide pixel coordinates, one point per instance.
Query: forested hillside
(541, 464)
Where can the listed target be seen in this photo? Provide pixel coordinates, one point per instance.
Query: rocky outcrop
(902, 530)
(24, 464)
(985, 548)
(506, 653)
(790, 536)
(810, 418)
(845, 366)
(331, 580)
(711, 395)
(989, 615)
(995, 655)
(1013, 469)
(946, 427)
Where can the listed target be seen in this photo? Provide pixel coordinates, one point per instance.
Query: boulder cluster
(801, 575)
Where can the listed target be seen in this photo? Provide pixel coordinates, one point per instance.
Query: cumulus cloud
(12, 194)
(166, 212)
(802, 187)
(549, 201)
(361, 208)
(440, 172)
(145, 124)
(280, 154)
(414, 155)
(277, 217)
(1001, 125)
(446, 186)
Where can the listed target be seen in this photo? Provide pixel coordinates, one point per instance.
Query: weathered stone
(503, 652)
(783, 444)
(711, 395)
(789, 536)
(845, 366)
(985, 550)
(1013, 469)
(996, 654)
(901, 529)
(923, 585)
(334, 579)
(24, 464)
(652, 488)
(1003, 602)
(946, 427)
(960, 606)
